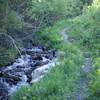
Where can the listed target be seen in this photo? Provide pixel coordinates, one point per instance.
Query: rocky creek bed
(27, 69)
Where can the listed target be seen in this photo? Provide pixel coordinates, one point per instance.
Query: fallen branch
(14, 42)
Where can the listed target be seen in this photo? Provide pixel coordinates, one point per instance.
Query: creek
(27, 69)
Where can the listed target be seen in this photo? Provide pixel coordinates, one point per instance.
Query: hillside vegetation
(42, 22)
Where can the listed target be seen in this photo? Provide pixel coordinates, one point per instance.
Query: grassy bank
(7, 56)
(60, 82)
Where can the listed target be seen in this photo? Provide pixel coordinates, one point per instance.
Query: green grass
(60, 82)
(85, 34)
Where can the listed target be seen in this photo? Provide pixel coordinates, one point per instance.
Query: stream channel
(27, 69)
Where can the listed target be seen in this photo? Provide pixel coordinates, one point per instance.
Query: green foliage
(45, 12)
(7, 56)
(2, 13)
(59, 83)
(95, 80)
(7, 52)
(12, 22)
(63, 7)
(87, 1)
(50, 37)
(83, 32)
(68, 8)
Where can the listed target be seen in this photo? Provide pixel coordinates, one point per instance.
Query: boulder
(37, 57)
(11, 79)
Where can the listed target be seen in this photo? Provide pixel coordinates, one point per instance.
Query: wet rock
(40, 63)
(21, 71)
(19, 67)
(32, 50)
(15, 78)
(11, 81)
(51, 54)
(3, 91)
(44, 48)
(11, 78)
(1, 74)
(18, 70)
(28, 74)
(37, 57)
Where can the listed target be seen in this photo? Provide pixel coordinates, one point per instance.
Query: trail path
(82, 83)
(64, 35)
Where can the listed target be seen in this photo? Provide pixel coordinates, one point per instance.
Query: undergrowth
(60, 82)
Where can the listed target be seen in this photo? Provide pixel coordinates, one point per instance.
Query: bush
(7, 56)
(59, 83)
(12, 22)
(95, 81)
(8, 53)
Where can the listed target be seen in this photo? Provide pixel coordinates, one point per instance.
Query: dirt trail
(64, 35)
(82, 84)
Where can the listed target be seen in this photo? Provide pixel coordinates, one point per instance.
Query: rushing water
(27, 69)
